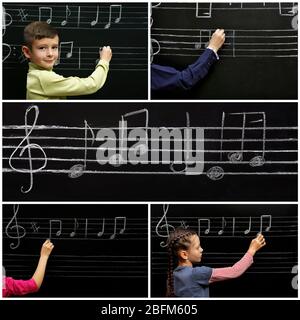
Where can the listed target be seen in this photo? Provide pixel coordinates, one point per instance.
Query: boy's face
(43, 52)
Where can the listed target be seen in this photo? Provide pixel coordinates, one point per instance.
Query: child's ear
(183, 254)
(26, 51)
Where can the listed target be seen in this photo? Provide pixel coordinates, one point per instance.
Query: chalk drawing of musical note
(249, 227)
(6, 21)
(221, 231)
(287, 9)
(152, 51)
(122, 219)
(13, 227)
(141, 147)
(65, 51)
(48, 14)
(117, 7)
(68, 13)
(59, 229)
(100, 233)
(207, 230)
(28, 147)
(203, 12)
(94, 22)
(6, 54)
(268, 217)
(204, 38)
(76, 226)
(164, 225)
(78, 169)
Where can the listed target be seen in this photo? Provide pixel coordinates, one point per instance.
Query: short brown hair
(38, 30)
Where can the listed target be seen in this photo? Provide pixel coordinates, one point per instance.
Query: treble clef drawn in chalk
(6, 20)
(295, 18)
(29, 146)
(163, 224)
(153, 6)
(17, 230)
(152, 51)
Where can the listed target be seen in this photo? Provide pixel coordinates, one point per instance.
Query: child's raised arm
(39, 273)
(105, 53)
(220, 274)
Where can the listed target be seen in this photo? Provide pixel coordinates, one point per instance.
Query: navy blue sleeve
(168, 78)
(202, 275)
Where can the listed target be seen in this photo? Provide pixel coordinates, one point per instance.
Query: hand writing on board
(217, 40)
(105, 53)
(256, 244)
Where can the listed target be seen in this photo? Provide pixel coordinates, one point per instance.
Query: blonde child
(13, 287)
(188, 281)
(41, 48)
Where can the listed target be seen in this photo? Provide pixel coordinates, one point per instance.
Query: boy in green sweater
(41, 48)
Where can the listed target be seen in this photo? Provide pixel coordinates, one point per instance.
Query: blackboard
(83, 28)
(50, 152)
(93, 254)
(257, 61)
(225, 234)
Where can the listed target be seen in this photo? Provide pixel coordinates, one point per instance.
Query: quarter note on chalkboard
(78, 169)
(249, 227)
(221, 231)
(45, 14)
(100, 233)
(114, 8)
(68, 13)
(95, 21)
(121, 229)
(76, 225)
(56, 229)
(200, 223)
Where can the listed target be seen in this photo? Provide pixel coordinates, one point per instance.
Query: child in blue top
(187, 281)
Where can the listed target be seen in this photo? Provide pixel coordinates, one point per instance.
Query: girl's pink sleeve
(220, 274)
(18, 287)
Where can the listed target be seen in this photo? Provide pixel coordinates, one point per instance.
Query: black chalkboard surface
(83, 28)
(257, 61)
(93, 254)
(225, 234)
(150, 151)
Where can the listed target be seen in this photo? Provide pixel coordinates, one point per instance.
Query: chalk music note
(59, 229)
(68, 13)
(29, 146)
(65, 51)
(249, 227)
(48, 14)
(207, 230)
(76, 225)
(122, 219)
(100, 233)
(6, 21)
(94, 22)
(164, 225)
(117, 7)
(221, 231)
(78, 169)
(269, 224)
(204, 38)
(204, 11)
(13, 230)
